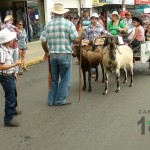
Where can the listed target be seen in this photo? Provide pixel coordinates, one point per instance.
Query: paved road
(97, 122)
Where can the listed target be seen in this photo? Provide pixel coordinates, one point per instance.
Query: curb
(34, 61)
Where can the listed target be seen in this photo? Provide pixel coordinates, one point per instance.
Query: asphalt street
(97, 122)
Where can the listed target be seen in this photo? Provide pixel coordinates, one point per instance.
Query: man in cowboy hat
(95, 29)
(8, 76)
(57, 38)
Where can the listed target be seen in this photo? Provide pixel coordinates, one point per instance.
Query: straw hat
(58, 8)
(115, 13)
(6, 36)
(8, 17)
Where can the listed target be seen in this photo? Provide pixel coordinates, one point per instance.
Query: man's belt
(7, 75)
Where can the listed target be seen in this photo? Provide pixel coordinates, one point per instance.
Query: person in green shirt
(115, 25)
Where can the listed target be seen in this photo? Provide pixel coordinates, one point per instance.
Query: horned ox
(114, 58)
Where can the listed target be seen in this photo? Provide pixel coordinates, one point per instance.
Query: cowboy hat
(115, 13)
(95, 15)
(8, 17)
(6, 36)
(137, 19)
(58, 8)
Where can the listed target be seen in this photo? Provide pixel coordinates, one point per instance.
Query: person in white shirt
(128, 20)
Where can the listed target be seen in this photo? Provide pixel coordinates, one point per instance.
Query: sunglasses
(20, 24)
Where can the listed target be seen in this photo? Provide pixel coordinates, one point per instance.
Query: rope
(136, 48)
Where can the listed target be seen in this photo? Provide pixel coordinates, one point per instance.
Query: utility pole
(123, 5)
(134, 4)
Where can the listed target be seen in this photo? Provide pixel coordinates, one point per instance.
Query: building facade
(36, 13)
(31, 12)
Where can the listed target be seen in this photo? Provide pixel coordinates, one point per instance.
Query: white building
(70, 4)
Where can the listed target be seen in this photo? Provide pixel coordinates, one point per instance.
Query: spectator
(22, 43)
(86, 21)
(128, 20)
(8, 24)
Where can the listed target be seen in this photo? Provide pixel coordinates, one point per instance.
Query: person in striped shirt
(8, 75)
(57, 39)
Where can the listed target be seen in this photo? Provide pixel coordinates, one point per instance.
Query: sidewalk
(35, 53)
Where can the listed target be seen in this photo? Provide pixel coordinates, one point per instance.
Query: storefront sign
(142, 1)
(95, 1)
(127, 2)
(146, 10)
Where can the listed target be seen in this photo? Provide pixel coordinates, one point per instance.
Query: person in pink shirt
(138, 36)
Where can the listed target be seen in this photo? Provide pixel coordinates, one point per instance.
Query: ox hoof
(103, 80)
(104, 93)
(89, 90)
(117, 90)
(125, 81)
(84, 89)
(130, 85)
(96, 79)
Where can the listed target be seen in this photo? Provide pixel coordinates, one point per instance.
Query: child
(138, 36)
(8, 76)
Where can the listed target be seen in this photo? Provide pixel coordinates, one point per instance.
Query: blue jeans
(135, 43)
(61, 78)
(9, 87)
(15, 54)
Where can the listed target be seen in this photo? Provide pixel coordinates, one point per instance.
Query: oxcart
(142, 52)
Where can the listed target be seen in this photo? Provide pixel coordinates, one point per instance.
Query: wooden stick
(49, 73)
(80, 58)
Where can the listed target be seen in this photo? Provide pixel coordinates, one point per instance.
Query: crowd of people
(115, 25)
(20, 44)
(57, 39)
